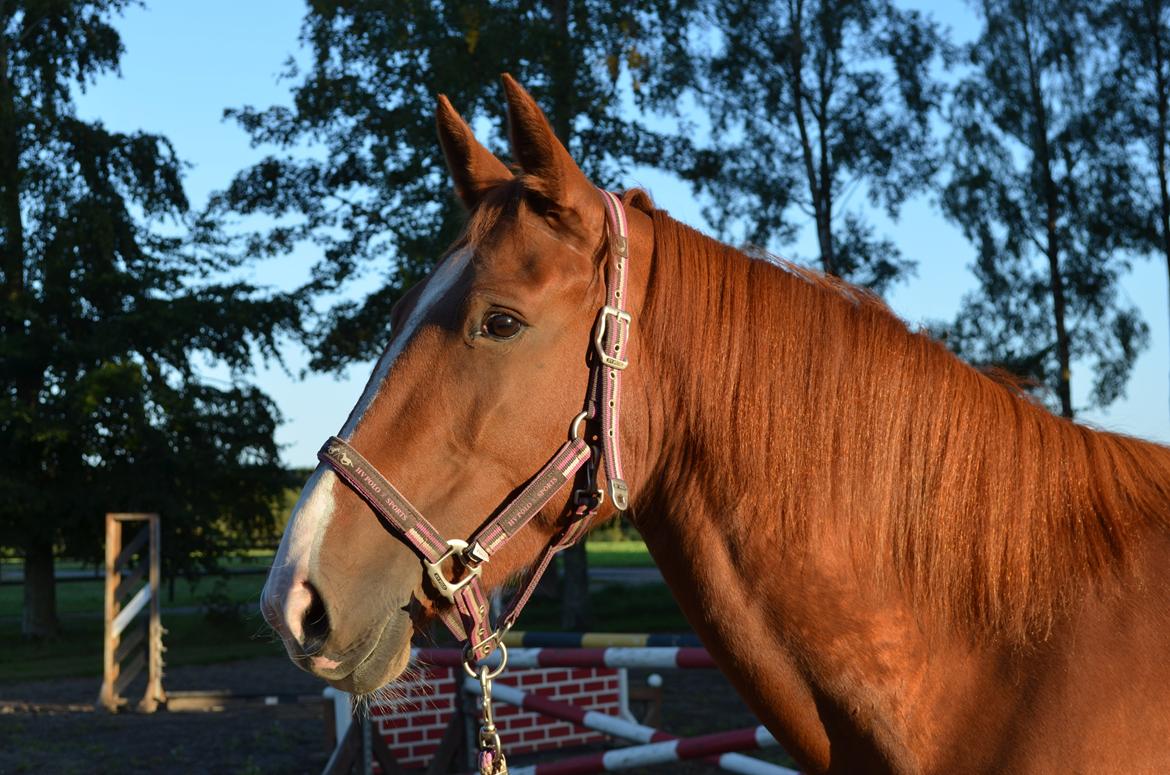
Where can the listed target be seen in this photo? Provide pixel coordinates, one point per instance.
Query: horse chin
(387, 660)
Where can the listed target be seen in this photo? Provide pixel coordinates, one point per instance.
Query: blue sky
(186, 62)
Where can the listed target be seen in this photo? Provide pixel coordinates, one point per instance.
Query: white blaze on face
(286, 597)
(436, 288)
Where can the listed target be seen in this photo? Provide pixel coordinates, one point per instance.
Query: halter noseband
(468, 617)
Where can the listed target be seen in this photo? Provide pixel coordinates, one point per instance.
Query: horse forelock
(818, 404)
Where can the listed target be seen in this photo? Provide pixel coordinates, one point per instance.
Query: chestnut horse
(902, 564)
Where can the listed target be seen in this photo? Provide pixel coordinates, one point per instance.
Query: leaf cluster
(373, 194)
(116, 303)
(1043, 186)
(812, 102)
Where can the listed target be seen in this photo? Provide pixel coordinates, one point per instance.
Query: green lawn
(89, 596)
(193, 638)
(614, 608)
(618, 554)
(190, 639)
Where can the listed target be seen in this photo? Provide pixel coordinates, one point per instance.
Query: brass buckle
(443, 585)
(621, 316)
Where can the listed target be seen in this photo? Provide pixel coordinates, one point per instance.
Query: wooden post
(108, 699)
(154, 691)
(117, 647)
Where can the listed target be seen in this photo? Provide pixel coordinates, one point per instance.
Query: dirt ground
(51, 726)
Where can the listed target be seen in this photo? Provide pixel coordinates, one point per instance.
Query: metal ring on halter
(469, 661)
(444, 586)
(577, 424)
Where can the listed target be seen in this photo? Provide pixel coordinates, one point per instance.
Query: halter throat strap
(468, 618)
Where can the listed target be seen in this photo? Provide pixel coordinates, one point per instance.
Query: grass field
(87, 596)
(219, 619)
(618, 554)
(616, 608)
(190, 639)
(76, 597)
(193, 638)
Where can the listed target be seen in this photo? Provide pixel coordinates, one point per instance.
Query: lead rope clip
(491, 757)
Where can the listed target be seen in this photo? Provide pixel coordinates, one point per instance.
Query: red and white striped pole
(654, 658)
(659, 747)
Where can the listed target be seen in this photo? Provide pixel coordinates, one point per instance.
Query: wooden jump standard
(122, 640)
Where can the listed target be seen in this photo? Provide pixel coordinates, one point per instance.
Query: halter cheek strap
(468, 616)
(611, 345)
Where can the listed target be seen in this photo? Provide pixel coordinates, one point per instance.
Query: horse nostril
(315, 625)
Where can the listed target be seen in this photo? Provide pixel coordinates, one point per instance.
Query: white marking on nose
(286, 596)
(436, 288)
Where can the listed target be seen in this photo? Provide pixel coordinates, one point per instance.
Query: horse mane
(807, 400)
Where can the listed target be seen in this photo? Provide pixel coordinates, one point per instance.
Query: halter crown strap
(468, 618)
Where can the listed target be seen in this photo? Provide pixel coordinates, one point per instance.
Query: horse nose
(314, 623)
(299, 614)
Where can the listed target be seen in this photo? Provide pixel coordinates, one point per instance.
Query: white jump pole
(658, 747)
(654, 658)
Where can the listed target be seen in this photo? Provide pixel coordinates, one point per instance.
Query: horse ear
(473, 168)
(540, 154)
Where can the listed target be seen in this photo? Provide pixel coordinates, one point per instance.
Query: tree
(1039, 184)
(109, 309)
(1138, 90)
(810, 102)
(376, 199)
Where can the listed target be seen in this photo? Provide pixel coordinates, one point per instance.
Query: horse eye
(501, 325)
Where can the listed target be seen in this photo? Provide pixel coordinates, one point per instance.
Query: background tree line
(1044, 140)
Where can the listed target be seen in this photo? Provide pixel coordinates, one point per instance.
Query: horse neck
(809, 408)
(828, 480)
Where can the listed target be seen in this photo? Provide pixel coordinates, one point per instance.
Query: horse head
(487, 366)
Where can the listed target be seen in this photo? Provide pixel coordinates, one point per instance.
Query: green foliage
(218, 606)
(1137, 103)
(809, 103)
(113, 301)
(374, 195)
(1134, 111)
(1041, 184)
